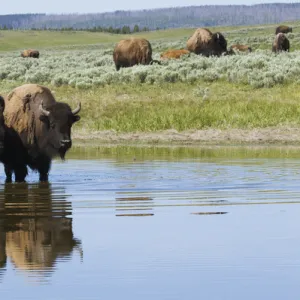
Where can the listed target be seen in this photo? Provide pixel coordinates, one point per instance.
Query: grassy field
(259, 90)
(18, 40)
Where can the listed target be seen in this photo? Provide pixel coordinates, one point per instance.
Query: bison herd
(135, 51)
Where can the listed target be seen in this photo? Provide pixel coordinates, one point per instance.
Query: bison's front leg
(44, 168)
(8, 173)
(20, 173)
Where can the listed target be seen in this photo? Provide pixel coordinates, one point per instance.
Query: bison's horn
(44, 111)
(77, 109)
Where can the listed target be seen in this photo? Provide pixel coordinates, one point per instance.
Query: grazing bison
(283, 29)
(39, 128)
(206, 43)
(174, 54)
(134, 51)
(281, 43)
(35, 231)
(240, 48)
(30, 53)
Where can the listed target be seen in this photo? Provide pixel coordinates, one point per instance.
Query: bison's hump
(26, 89)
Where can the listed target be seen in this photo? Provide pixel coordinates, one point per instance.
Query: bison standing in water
(206, 43)
(38, 129)
(281, 43)
(283, 29)
(130, 52)
(30, 53)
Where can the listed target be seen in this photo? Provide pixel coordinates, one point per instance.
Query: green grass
(130, 108)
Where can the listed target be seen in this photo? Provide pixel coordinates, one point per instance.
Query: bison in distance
(206, 43)
(174, 53)
(240, 48)
(30, 53)
(133, 51)
(38, 129)
(283, 29)
(281, 43)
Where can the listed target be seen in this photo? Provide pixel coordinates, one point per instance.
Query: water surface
(155, 223)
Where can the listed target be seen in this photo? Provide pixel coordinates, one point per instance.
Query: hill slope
(190, 16)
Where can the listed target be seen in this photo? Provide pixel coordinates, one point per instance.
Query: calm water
(155, 223)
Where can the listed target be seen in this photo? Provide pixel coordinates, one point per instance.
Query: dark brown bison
(240, 48)
(35, 230)
(174, 53)
(30, 53)
(2, 126)
(130, 52)
(281, 43)
(283, 29)
(206, 43)
(39, 128)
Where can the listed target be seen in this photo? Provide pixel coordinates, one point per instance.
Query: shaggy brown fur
(281, 43)
(206, 43)
(199, 40)
(20, 111)
(130, 52)
(30, 53)
(241, 48)
(174, 54)
(283, 29)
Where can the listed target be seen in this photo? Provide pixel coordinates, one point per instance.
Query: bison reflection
(134, 207)
(35, 231)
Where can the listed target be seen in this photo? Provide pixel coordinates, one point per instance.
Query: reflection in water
(208, 213)
(126, 153)
(134, 206)
(207, 228)
(34, 228)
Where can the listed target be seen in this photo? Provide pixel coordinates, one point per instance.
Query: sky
(96, 6)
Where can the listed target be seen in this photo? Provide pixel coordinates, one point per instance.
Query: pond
(155, 223)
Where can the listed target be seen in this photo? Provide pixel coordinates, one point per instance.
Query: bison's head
(58, 120)
(218, 44)
(220, 40)
(2, 126)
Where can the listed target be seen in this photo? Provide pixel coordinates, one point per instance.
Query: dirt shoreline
(272, 135)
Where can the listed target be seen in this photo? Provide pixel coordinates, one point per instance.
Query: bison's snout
(65, 144)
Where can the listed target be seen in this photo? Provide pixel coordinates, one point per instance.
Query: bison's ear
(76, 118)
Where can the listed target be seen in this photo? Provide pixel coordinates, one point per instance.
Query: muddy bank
(273, 135)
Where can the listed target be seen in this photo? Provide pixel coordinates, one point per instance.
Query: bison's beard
(62, 153)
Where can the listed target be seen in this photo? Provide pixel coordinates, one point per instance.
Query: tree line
(122, 30)
(174, 17)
